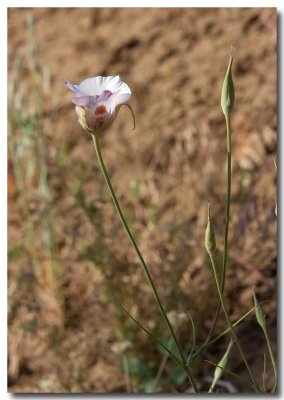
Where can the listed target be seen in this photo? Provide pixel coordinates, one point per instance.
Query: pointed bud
(210, 242)
(259, 313)
(228, 92)
(223, 362)
(219, 371)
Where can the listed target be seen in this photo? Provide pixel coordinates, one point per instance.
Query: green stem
(272, 359)
(133, 242)
(227, 217)
(228, 205)
(227, 220)
(219, 288)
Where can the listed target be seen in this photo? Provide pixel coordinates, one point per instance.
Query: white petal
(122, 97)
(117, 85)
(95, 86)
(118, 98)
(91, 86)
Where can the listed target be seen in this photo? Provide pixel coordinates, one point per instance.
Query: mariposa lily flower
(98, 101)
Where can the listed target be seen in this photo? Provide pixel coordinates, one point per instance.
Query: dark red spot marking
(100, 110)
(99, 123)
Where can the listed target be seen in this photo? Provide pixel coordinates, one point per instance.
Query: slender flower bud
(259, 313)
(219, 371)
(228, 92)
(210, 242)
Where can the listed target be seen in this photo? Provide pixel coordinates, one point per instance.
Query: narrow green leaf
(154, 338)
(173, 347)
(177, 360)
(193, 333)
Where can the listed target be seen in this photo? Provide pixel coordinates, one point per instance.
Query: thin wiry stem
(219, 288)
(142, 261)
(227, 217)
(272, 359)
(227, 220)
(228, 205)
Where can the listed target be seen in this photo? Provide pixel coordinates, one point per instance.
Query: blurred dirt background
(70, 263)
